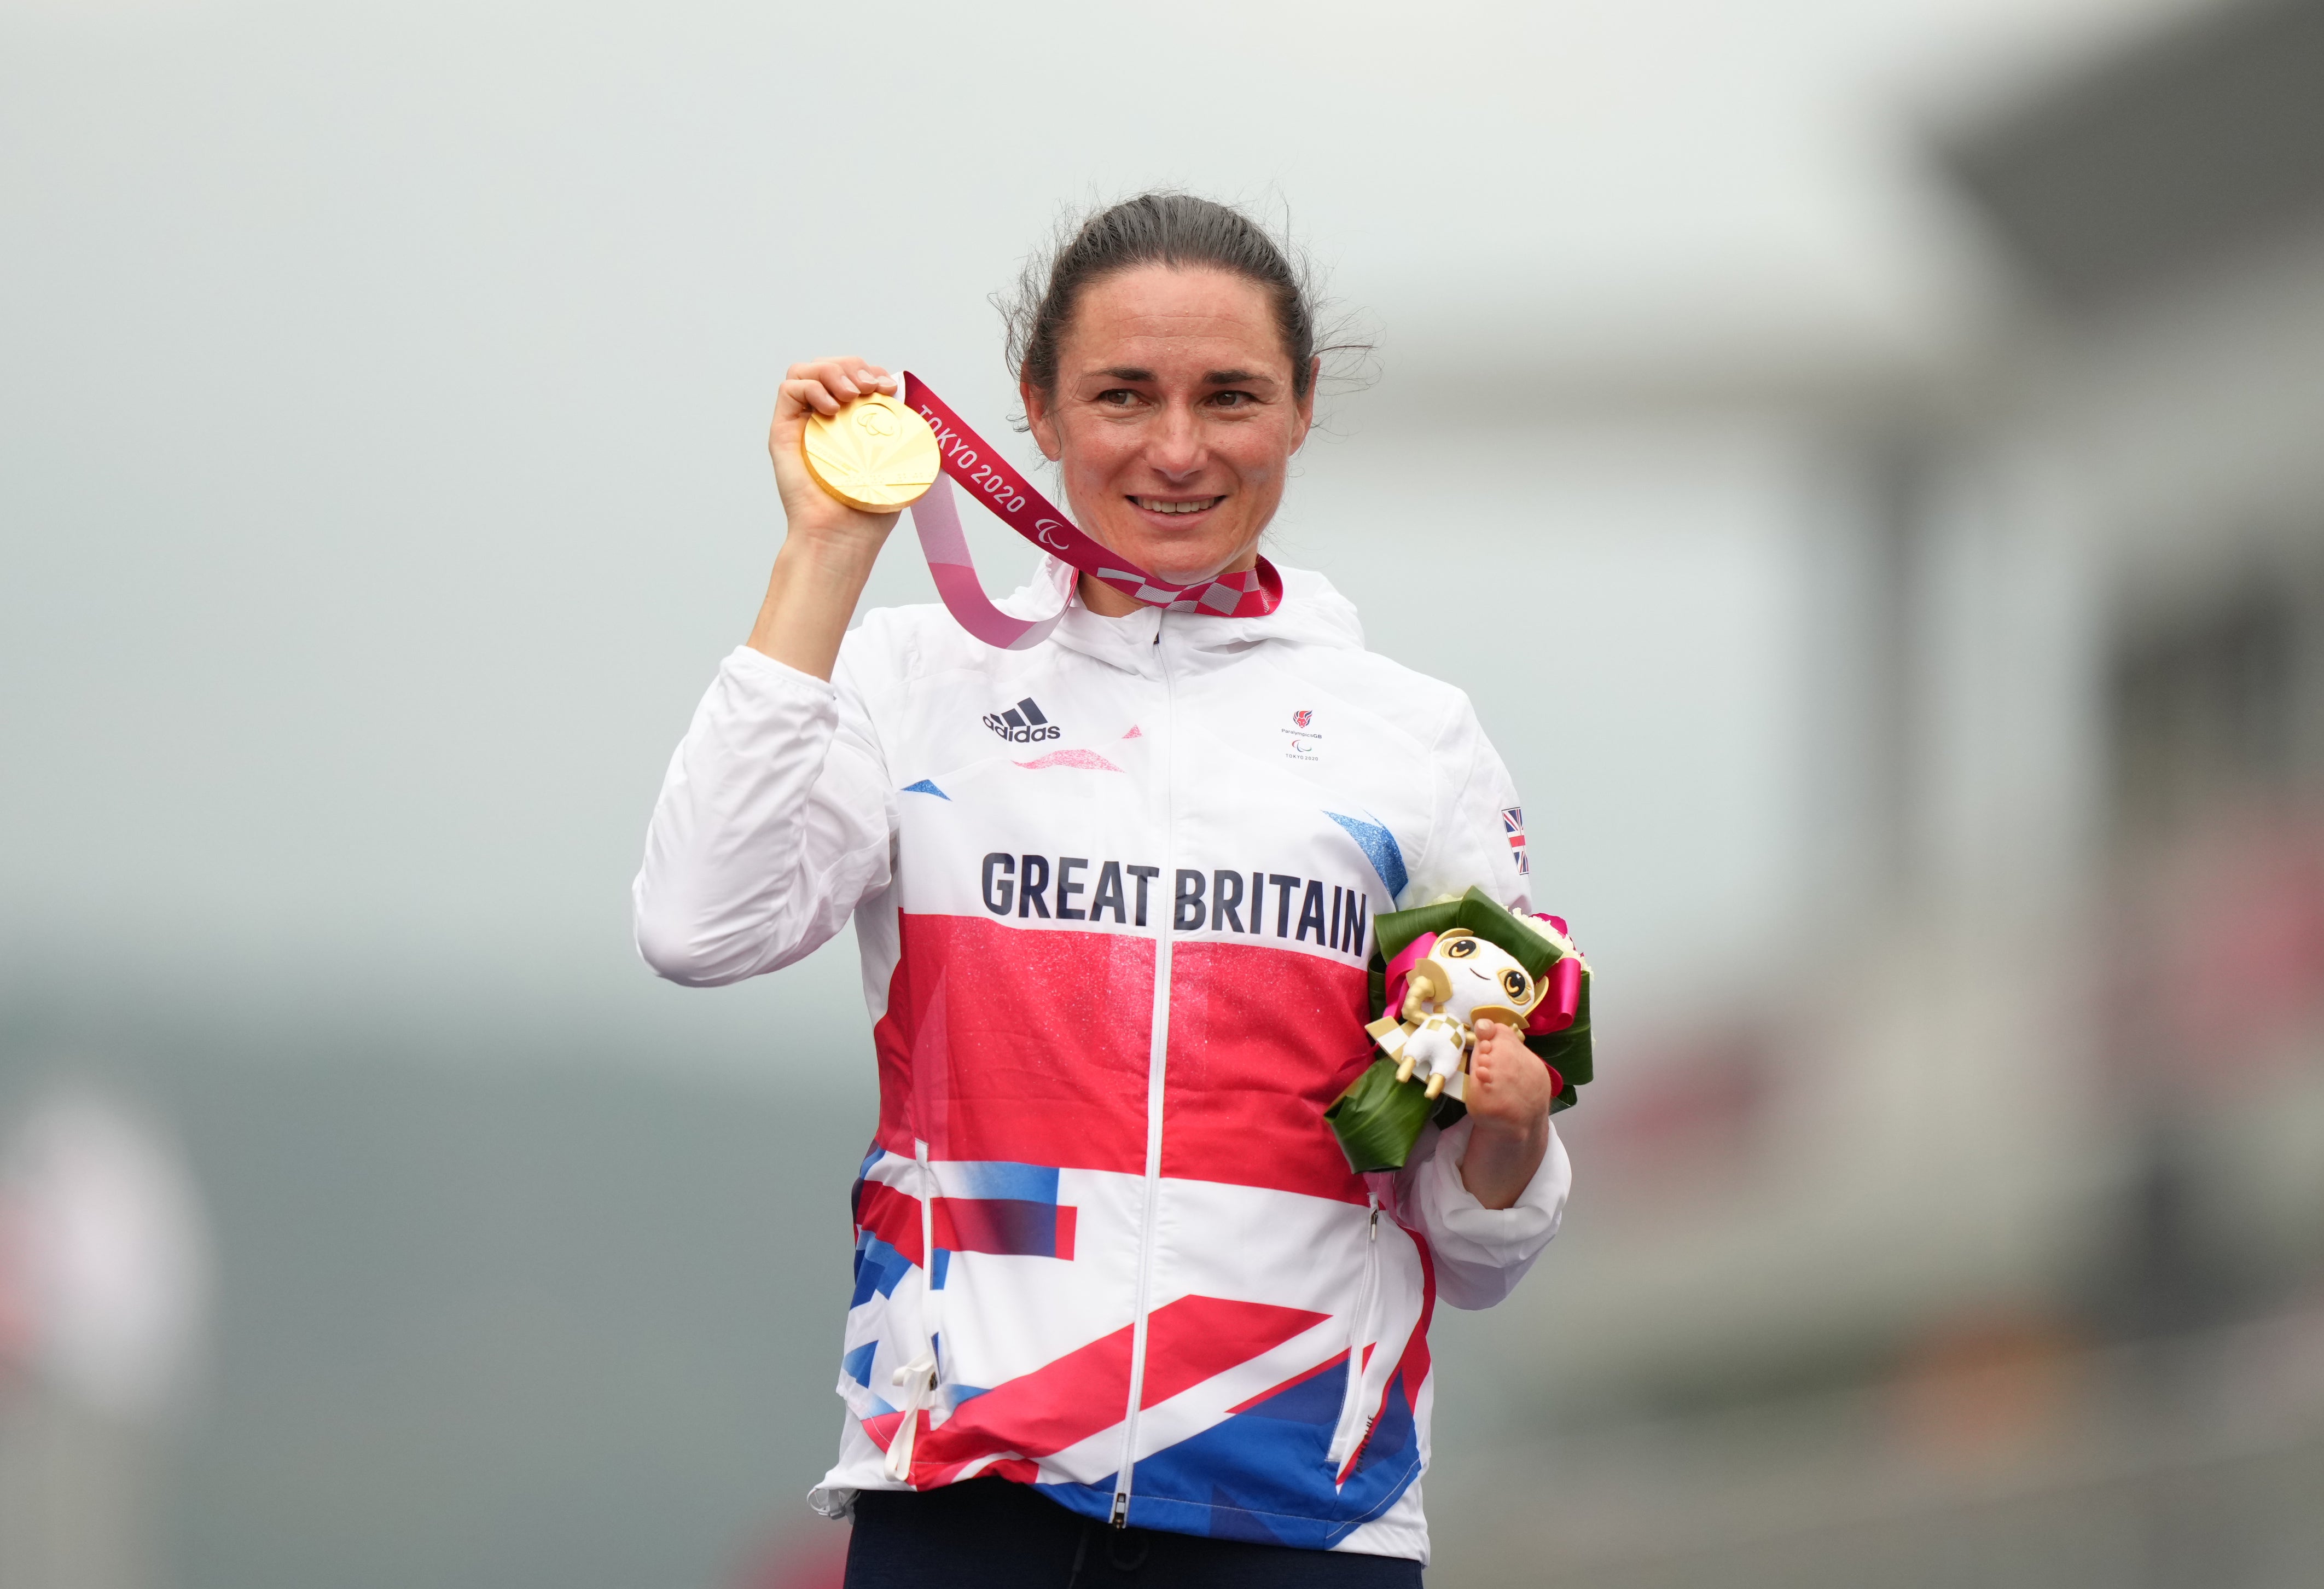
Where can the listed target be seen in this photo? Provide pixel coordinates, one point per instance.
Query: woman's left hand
(1508, 1096)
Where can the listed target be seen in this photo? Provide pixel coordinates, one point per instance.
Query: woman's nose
(1175, 450)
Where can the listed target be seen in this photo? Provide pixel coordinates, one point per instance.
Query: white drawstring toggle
(918, 1381)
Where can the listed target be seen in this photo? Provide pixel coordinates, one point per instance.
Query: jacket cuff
(1462, 1228)
(756, 669)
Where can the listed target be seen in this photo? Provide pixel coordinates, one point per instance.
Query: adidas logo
(1021, 724)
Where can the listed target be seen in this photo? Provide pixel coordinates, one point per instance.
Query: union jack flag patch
(1513, 823)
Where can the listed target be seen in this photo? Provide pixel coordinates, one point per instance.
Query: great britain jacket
(1113, 896)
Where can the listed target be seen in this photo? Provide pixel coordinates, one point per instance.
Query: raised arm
(828, 548)
(774, 819)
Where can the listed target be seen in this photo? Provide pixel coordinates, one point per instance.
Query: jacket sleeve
(1474, 820)
(775, 821)
(1480, 1252)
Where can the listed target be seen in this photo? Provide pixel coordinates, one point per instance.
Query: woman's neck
(1107, 602)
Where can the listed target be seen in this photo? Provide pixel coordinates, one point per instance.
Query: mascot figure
(1461, 978)
(1436, 970)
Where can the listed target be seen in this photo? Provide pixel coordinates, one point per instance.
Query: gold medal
(875, 455)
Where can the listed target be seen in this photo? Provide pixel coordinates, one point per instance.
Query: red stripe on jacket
(1261, 1042)
(1035, 1053)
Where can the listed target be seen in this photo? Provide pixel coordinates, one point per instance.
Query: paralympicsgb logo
(1303, 718)
(1022, 724)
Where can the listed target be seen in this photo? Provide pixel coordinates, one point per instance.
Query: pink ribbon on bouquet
(987, 475)
(1399, 973)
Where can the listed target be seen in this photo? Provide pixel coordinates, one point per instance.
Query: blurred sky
(384, 389)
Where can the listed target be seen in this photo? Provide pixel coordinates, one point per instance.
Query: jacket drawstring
(917, 1380)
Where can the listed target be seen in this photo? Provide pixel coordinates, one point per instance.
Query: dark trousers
(993, 1533)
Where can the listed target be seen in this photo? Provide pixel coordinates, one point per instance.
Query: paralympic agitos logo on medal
(1022, 724)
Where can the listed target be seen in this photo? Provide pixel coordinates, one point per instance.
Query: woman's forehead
(1154, 316)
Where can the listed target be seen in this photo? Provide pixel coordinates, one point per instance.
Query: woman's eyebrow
(1135, 372)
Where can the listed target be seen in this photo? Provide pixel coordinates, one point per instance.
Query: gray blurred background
(1903, 425)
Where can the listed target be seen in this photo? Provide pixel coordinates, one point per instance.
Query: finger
(814, 395)
(829, 370)
(837, 377)
(849, 378)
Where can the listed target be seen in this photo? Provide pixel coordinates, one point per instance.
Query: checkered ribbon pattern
(987, 476)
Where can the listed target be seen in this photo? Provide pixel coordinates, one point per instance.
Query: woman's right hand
(820, 386)
(828, 548)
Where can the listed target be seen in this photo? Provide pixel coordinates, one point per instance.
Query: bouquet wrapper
(1378, 1119)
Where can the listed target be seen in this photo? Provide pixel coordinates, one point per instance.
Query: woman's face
(1173, 421)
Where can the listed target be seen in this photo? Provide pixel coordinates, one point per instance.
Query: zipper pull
(1372, 1230)
(1121, 1518)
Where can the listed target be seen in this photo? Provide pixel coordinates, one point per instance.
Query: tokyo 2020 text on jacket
(1113, 894)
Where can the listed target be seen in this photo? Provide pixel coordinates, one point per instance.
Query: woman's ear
(1308, 403)
(1041, 417)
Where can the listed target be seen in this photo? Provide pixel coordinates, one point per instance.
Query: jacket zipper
(917, 1379)
(1158, 1059)
(1354, 1419)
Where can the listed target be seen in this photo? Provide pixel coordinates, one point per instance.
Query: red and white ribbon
(987, 475)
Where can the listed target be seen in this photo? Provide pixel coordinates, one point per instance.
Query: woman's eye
(1232, 399)
(1117, 397)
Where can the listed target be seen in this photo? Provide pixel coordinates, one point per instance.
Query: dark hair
(1175, 229)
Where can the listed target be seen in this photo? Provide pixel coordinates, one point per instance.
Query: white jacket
(1114, 895)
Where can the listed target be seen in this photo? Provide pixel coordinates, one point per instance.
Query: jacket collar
(1312, 613)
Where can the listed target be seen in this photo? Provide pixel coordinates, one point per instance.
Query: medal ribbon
(981, 471)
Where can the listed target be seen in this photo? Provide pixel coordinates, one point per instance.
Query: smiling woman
(1123, 1310)
(1171, 422)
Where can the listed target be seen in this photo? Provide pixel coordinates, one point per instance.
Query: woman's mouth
(1177, 506)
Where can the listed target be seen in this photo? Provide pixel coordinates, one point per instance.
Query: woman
(1111, 1267)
